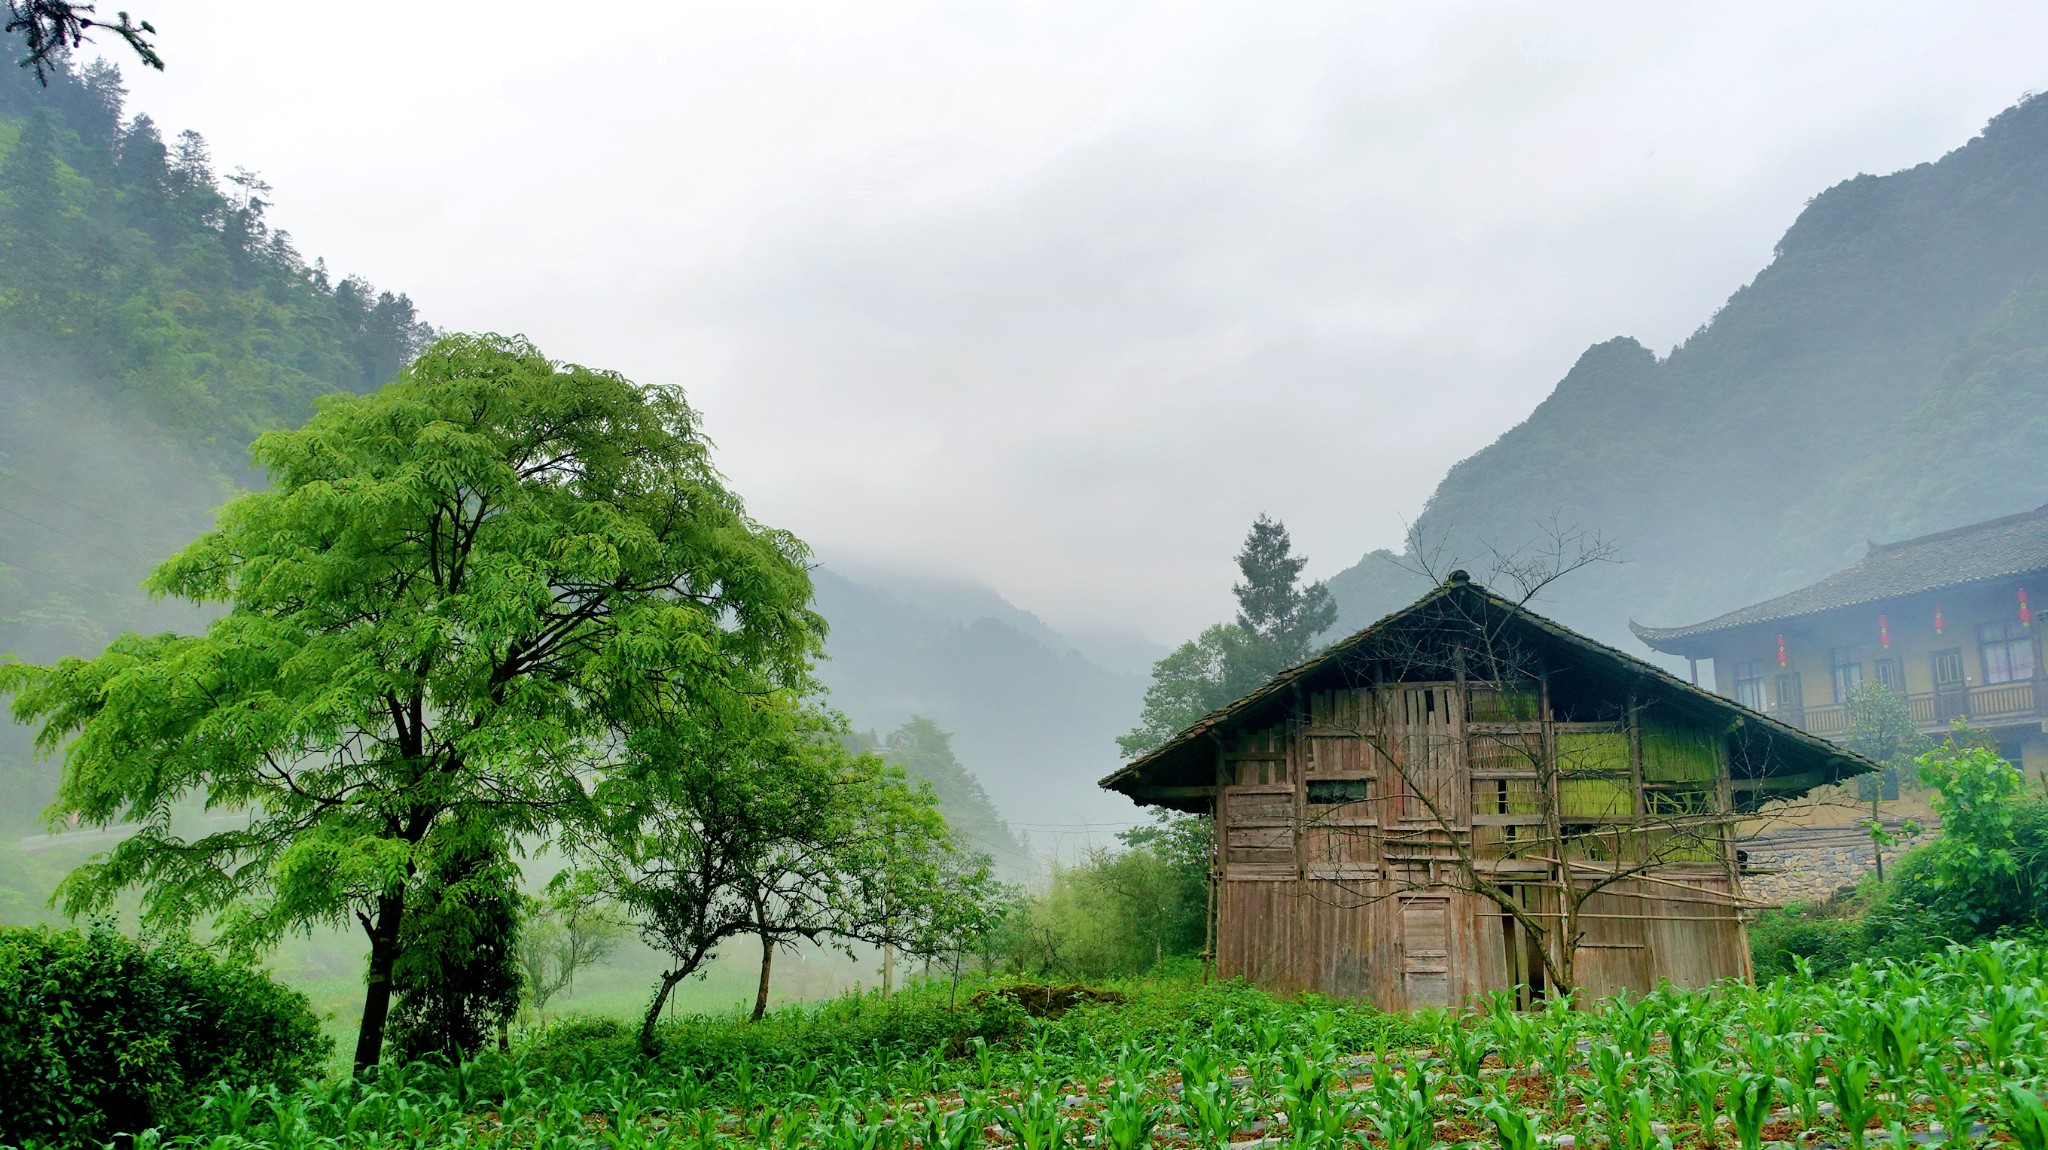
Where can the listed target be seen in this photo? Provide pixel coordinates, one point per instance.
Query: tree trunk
(383, 931)
(669, 978)
(888, 969)
(767, 964)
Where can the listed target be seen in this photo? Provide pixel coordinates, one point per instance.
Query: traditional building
(1466, 797)
(1944, 620)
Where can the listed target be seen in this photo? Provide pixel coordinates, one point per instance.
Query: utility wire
(150, 607)
(125, 558)
(11, 477)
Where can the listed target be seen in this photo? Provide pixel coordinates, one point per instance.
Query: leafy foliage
(51, 28)
(763, 823)
(925, 752)
(1890, 1047)
(1115, 912)
(457, 976)
(1881, 729)
(1982, 877)
(455, 591)
(1988, 871)
(1282, 617)
(100, 1036)
(152, 323)
(1277, 623)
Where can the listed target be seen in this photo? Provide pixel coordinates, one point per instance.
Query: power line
(13, 478)
(125, 558)
(73, 583)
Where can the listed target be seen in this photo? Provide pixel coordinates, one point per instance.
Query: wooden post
(1221, 807)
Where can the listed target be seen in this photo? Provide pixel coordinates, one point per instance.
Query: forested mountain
(1886, 374)
(1034, 719)
(152, 323)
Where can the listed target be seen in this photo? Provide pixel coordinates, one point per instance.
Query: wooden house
(1943, 620)
(1466, 798)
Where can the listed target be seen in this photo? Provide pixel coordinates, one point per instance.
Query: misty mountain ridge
(1885, 375)
(1032, 717)
(152, 322)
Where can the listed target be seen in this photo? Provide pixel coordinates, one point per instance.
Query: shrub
(101, 1036)
(1826, 940)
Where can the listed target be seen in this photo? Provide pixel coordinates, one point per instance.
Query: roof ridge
(1288, 676)
(1949, 533)
(1971, 553)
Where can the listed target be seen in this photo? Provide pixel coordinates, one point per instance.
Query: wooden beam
(1176, 793)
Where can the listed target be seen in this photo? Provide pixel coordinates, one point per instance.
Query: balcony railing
(1934, 710)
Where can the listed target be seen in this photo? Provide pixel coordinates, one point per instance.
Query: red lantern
(1884, 632)
(2026, 612)
(1937, 616)
(1781, 650)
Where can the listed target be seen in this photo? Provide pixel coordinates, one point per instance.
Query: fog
(1057, 298)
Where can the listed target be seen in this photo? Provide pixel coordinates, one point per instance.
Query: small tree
(1881, 729)
(559, 936)
(1282, 617)
(457, 977)
(1277, 623)
(437, 618)
(762, 823)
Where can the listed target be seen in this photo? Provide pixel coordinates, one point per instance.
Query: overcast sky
(1060, 295)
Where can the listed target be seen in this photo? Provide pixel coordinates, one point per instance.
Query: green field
(1952, 1051)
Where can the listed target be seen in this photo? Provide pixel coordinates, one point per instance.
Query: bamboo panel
(1614, 952)
(1426, 727)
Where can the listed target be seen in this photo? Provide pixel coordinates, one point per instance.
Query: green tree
(1881, 729)
(1277, 623)
(559, 936)
(1117, 910)
(925, 752)
(1282, 617)
(436, 619)
(1989, 867)
(458, 976)
(760, 822)
(1191, 680)
(52, 28)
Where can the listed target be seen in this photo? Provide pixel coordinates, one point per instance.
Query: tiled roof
(1792, 748)
(1991, 550)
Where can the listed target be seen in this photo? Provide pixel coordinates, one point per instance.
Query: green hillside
(1882, 376)
(151, 324)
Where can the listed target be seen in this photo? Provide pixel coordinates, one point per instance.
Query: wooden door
(1426, 951)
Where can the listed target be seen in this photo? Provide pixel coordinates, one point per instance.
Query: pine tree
(1282, 618)
(1277, 624)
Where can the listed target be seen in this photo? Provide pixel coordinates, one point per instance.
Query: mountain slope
(1036, 724)
(1818, 407)
(151, 323)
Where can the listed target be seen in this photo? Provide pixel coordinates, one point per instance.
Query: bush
(1820, 935)
(101, 1036)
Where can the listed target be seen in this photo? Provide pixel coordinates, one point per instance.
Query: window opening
(2008, 652)
(1846, 670)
